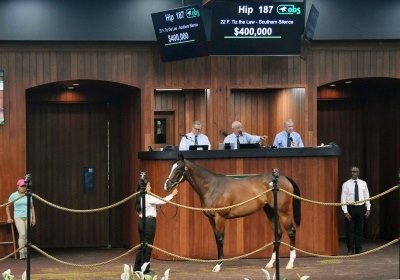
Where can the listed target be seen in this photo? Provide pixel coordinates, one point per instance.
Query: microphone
(187, 137)
(240, 133)
(291, 139)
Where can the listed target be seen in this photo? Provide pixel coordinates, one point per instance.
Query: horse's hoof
(289, 266)
(269, 265)
(217, 268)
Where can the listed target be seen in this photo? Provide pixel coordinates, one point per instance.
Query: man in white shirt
(238, 136)
(195, 137)
(354, 190)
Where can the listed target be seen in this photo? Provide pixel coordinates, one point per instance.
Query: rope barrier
(85, 265)
(85, 210)
(10, 202)
(211, 261)
(204, 210)
(338, 203)
(9, 255)
(342, 257)
(202, 260)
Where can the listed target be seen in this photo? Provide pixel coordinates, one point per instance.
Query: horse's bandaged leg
(291, 260)
(271, 262)
(217, 267)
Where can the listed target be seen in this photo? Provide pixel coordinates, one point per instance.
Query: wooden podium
(188, 233)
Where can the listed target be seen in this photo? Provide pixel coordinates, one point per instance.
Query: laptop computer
(198, 147)
(249, 146)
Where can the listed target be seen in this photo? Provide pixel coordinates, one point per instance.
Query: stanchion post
(28, 182)
(275, 189)
(143, 191)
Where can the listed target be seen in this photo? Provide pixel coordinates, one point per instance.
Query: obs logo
(288, 10)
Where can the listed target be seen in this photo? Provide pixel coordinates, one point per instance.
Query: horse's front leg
(220, 245)
(269, 211)
(219, 230)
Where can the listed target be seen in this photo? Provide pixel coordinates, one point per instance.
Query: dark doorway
(362, 116)
(78, 146)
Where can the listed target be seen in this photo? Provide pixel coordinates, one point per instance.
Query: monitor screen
(180, 33)
(256, 27)
(249, 146)
(226, 146)
(311, 23)
(198, 147)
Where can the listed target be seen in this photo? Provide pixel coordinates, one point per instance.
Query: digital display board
(180, 33)
(311, 23)
(256, 27)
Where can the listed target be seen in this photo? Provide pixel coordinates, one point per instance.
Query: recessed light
(348, 82)
(75, 84)
(332, 85)
(70, 87)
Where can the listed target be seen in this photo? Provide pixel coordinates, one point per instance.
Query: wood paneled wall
(28, 64)
(263, 111)
(185, 106)
(188, 233)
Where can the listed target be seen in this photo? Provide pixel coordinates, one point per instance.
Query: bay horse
(218, 191)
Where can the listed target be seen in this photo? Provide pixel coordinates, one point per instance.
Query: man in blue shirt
(288, 138)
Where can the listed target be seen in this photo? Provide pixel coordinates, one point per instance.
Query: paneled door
(68, 159)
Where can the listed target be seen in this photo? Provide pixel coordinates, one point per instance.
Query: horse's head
(177, 174)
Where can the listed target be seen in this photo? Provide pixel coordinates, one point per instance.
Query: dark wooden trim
(327, 150)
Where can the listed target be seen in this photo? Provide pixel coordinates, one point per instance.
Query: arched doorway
(80, 143)
(363, 117)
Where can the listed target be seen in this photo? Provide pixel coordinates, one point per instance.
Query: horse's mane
(203, 169)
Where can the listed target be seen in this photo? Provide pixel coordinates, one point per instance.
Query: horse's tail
(296, 202)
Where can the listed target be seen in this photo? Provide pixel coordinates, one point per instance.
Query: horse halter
(180, 174)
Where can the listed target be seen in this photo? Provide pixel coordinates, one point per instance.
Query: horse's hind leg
(292, 237)
(270, 214)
